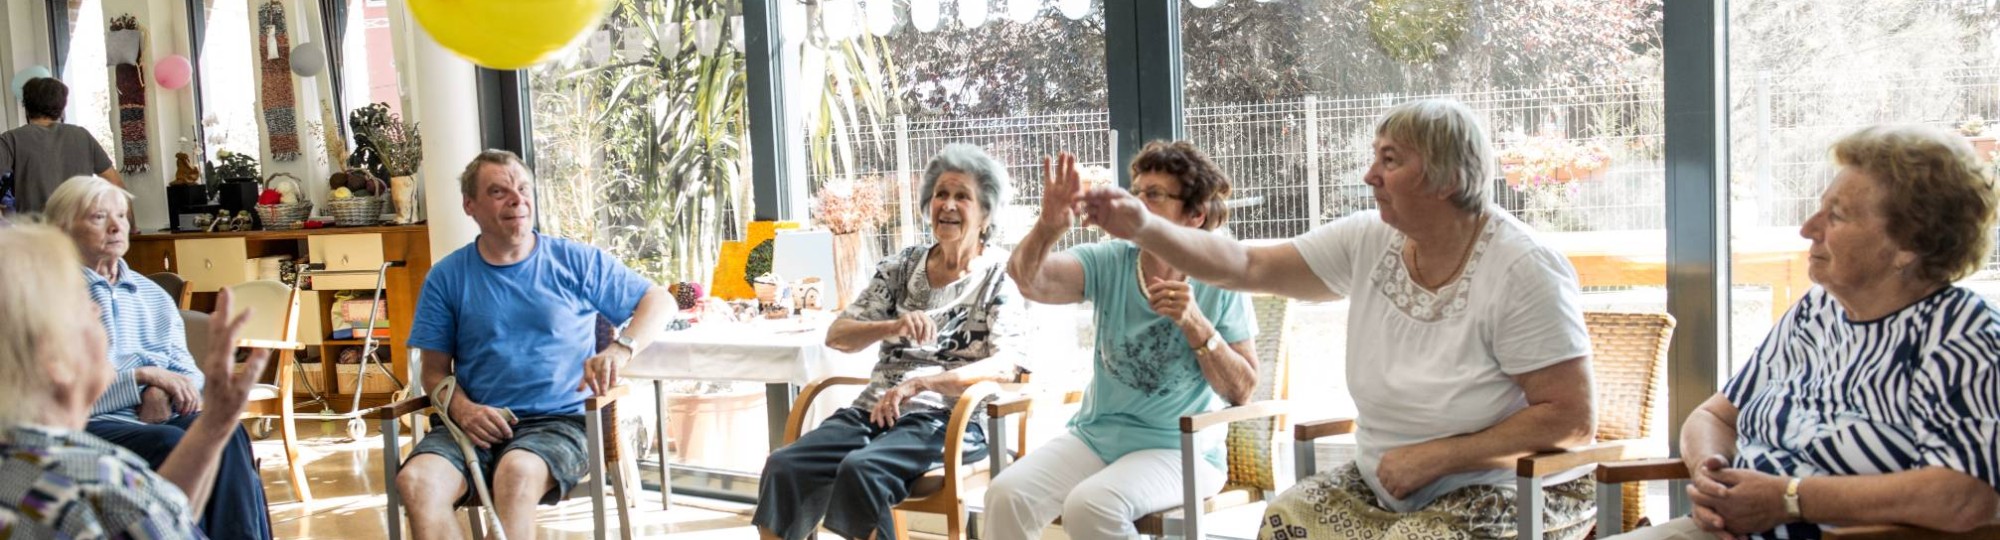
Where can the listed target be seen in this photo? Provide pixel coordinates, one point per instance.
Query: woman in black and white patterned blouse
(945, 317)
(1876, 399)
(58, 481)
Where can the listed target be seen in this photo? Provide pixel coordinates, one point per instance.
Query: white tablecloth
(786, 351)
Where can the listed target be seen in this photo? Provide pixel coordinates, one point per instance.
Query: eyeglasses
(1156, 196)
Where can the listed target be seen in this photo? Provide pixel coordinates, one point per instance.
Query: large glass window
(1285, 96)
(641, 148)
(1793, 92)
(368, 56)
(88, 79)
(229, 91)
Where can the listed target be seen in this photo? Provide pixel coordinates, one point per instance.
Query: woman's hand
(1405, 470)
(1738, 502)
(228, 389)
(916, 326)
(890, 406)
(1062, 187)
(180, 390)
(155, 406)
(1173, 300)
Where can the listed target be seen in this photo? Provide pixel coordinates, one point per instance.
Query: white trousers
(1096, 500)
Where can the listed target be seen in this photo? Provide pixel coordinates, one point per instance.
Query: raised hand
(227, 389)
(1062, 188)
(1116, 211)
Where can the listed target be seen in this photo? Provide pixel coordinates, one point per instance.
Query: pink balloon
(173, 72)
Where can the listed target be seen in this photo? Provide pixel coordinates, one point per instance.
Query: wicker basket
(356, 211)
(284, 217)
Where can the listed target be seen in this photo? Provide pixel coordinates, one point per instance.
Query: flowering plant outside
(1973, 126)
(851, 205)
(1541, 160)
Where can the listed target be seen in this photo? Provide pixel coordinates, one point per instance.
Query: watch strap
(1792, 499)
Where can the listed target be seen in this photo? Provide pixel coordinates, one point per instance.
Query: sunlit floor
(348, 500)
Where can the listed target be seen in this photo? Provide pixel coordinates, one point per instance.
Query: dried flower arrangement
(852, 205)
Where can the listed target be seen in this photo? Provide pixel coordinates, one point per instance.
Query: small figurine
(221, 223)
(242, 221)
(184, 172)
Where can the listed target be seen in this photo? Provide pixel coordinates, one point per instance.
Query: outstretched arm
(1226, 262)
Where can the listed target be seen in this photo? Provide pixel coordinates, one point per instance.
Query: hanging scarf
(131, 80)
(280, 117)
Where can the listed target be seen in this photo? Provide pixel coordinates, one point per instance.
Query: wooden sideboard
(210, 261)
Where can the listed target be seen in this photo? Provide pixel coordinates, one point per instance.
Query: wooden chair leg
(902, 523)
(619, 486)
(288, 430)
(954, 525)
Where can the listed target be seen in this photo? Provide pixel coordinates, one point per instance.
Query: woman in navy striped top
(1876, 399)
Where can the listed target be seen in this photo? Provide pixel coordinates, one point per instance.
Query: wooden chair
(1630, 473)
(179, 289)
(1253, 428)
(1628, 357)
(945, 491)
(615, 462)
(276, 328)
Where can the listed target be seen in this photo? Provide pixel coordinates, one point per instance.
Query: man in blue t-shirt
(513, 317)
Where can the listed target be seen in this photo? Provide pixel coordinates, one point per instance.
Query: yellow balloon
(507, 34)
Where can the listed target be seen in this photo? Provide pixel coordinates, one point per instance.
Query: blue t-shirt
(519, 333)
(1144, 377)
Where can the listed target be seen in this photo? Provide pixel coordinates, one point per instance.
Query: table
(1775, 257)
(783, 354)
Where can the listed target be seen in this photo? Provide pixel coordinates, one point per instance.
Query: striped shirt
(71, 484)
(1825, 396)
(145, 330)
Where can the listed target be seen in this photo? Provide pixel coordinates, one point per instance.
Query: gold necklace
(1417, 265)
(1139, 272)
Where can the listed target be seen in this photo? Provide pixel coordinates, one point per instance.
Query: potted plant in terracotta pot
(1974, 130)
(1548, 170)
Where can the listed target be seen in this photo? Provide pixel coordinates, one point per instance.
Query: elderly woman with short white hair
(1466, 349)
(155, 395)
(61, 481)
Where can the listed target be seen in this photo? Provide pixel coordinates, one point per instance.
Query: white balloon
(1075, 9)
(1023, 10)
(924, 14)
(634, 40)
(972, 13)
(670, 39)
(881, 17)
(1204, 3)
(836, 17)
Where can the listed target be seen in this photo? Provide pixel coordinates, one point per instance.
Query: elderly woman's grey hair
(37, 299)
(78, 195)
(1452, 141)
(994, 187)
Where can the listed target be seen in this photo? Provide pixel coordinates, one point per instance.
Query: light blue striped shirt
(145, 330)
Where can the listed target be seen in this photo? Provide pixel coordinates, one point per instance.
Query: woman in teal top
(1167, 347)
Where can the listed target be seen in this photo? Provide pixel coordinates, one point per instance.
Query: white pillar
(447, 104)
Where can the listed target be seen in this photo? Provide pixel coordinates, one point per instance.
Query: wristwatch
(1214, 342)
(1792, 500)
(627, 342)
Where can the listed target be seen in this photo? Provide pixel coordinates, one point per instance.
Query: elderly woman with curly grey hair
(1466, 348)
(1876, 399)
(946, 317)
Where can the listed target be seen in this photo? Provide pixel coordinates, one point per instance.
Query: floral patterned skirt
(1337, 505)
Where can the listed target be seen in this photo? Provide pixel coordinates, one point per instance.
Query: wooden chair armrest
(598, 403)
(1548, 463)
(402, 408)
(1317, 429)
(795, 421)
(1260, 409)
(1025, 400)
(1904, 532)
(1640, 470)
(961, 420)
(269, 344)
